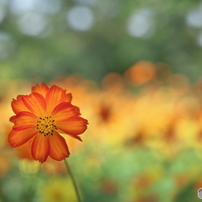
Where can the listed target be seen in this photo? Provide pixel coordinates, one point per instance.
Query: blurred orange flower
(140, 73)
(39, 119)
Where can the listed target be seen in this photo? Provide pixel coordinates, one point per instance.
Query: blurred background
(134, 69)
(93, 37)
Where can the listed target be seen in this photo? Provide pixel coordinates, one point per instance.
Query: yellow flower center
(45, 125)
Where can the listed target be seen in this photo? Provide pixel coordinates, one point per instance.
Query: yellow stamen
(45, 125)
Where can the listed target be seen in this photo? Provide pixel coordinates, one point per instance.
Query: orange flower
(40, 117)
(140, 73)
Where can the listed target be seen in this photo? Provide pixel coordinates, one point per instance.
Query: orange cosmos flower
(39, 119)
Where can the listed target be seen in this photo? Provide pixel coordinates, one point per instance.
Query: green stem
(73, 181)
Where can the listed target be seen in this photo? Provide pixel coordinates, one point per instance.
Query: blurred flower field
(143, 142)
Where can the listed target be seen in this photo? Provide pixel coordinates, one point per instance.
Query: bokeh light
(31, 24)
(141, 24)
(80, 18)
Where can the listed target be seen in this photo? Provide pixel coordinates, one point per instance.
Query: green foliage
(106, 46)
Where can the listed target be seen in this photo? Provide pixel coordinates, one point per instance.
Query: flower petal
(12, 119)
(17, 138)
(40, 89)
(73, 136)
(24, 120)
(58, 147)
(54, 96)
(73, 126)
(18, 105)
(68, 97)
(36, 103)
(40, 147)
(64, 111)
